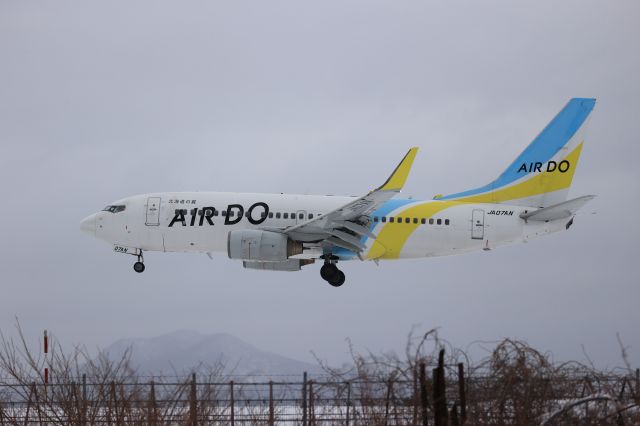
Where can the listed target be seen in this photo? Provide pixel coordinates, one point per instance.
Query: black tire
(339, 279)
(328, 271)
(138, 267)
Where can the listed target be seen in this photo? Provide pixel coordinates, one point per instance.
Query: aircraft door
(477, 224)
(301, 216)
(153, 211)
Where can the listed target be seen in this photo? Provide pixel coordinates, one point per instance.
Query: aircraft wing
(345, 226)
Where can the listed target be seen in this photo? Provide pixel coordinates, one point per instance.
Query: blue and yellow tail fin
(542, 174)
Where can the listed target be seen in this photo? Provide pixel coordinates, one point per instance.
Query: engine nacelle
(287, 265)
(266, 246)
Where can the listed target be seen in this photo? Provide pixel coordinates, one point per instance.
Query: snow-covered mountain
(183, 351)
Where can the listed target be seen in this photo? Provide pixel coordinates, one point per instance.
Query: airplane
(283, 232)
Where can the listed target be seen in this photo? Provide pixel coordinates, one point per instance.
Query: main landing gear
(331, 274)
(139, 265)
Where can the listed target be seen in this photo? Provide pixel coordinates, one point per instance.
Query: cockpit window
(114, 209)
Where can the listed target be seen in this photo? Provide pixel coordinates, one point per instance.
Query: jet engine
(266, 246)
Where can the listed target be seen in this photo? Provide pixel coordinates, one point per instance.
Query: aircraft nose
(88, 224)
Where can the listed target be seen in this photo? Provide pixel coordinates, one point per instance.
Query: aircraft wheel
(339, 279)
(328, 271)
(138, 267)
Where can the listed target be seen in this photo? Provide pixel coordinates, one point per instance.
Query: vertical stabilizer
(541, 176)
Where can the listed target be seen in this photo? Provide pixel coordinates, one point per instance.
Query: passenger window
(270, 215)
(407, 220)
(399, 220)
(215, 212)
(391, 219)
(384, 219)
(263, 215)
(310, 215)
(439, 221)
(431, 221)
(278, 215)
(446, 221)
(375, 218)
(285, 215)
(423, 221)
(293, 215)
(300, 216)
(224, 212)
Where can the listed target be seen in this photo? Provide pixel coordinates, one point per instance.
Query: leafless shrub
(513, 384)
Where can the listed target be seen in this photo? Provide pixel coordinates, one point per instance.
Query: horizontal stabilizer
(558, 211)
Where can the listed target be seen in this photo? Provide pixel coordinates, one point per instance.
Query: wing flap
(347, 238)
(352, 226)
(345, 245)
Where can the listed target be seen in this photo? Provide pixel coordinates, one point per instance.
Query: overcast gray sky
(101, 100)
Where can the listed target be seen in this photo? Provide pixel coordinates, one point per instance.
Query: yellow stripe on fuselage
(393, 236)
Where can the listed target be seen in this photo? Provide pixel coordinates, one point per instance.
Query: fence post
(271, 414)
(84, 400)
(77, 403)
(107, 394)
(462, 391)
(304, 399)
(440, 397)
(387, 401)
(311, 407)
(193, 402)
(416, 397)
(348, 402)
(112, 402)
(424, 400)
(233, 403)
(454, 415)
(152, 415)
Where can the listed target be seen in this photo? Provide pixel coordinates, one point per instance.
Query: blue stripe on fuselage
(384, 210)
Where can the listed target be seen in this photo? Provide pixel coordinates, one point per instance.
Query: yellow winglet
(399, 176)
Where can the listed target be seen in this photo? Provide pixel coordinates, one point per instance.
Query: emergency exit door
(477, 224)
(153, 211)
(301, 216)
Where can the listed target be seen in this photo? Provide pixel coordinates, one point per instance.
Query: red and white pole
(46, 351)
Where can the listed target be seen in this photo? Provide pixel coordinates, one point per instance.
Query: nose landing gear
(331, 274)
(139, 265)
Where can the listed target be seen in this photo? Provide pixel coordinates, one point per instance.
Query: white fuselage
(201, 222)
